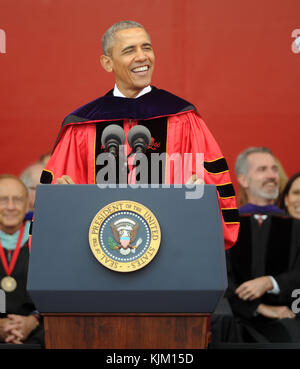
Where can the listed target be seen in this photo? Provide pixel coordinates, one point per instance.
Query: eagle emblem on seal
(125, 233)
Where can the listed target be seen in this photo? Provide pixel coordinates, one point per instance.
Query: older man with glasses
(21, 322)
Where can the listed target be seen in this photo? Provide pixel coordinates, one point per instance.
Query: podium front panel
(188, 274)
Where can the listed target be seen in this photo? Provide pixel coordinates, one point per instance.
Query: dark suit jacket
(270, 249)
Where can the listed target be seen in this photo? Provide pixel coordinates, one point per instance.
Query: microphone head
(115, 132)
(139, 132)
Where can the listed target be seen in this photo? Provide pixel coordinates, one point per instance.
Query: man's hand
(24, 325)
(254, 288)
(9, 332)
(194, 179)
(65, 180)
(16, 328)
(275, 312)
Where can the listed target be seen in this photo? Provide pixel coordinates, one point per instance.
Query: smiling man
(264, 266)
(21, 322)
(129, 55)
(175, 125)
(258, 175)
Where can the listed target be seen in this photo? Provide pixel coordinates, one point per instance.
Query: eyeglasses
(17, 200)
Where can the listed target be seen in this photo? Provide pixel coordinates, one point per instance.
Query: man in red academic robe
(175, 125)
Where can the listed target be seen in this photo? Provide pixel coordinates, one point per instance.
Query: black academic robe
(19, 301)
(272, 248)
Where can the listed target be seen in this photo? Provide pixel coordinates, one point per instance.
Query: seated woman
(290, 196)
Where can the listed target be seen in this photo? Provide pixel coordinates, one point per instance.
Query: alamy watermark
(296, 303)
(133, 171)
(2, 42)
(2, 302)
(296, 42)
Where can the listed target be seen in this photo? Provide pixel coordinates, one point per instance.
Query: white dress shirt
(144, 91)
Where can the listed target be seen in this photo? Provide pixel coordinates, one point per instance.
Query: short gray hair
(109, 35)
(242, 164)
(26, 175)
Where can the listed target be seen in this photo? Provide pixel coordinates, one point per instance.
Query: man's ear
(26, 204)
(243, 180)
(106, 63)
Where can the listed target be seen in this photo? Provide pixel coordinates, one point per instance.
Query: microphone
(139, 138)
(112, 137)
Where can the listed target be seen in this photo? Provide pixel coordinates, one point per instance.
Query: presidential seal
(124, 236)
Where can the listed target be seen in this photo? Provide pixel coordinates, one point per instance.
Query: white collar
(144, 91)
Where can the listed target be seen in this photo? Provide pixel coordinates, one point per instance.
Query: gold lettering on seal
(108, 260)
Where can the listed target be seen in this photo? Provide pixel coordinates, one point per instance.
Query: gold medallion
(8, 284)
(124, 236)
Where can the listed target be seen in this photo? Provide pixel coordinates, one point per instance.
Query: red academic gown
(172, 132)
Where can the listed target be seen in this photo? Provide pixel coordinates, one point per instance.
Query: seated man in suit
(264, 265)
(21, 323)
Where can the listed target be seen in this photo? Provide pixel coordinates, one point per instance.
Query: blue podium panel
(188, 274)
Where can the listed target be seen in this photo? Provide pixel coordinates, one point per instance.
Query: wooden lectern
(126, 331)
(165, 305)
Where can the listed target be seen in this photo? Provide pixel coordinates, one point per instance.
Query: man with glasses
(21, 322)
